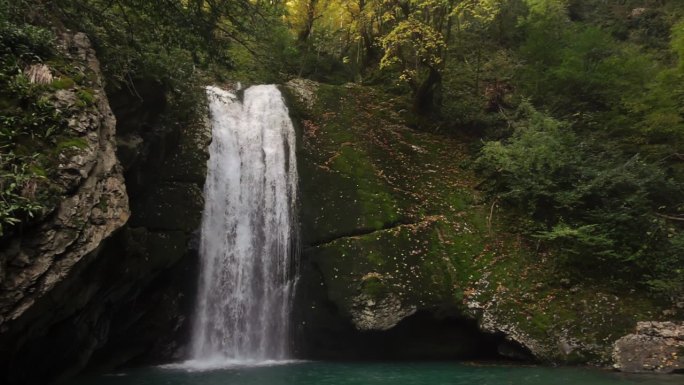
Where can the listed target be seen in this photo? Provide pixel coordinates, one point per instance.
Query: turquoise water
(395, 373)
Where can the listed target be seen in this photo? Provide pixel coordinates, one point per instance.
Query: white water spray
(248, 239)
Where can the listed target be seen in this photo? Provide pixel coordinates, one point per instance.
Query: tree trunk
(426, 95)
(310, 19)
(371, 55)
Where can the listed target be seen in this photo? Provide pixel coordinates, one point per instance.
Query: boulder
(655, 347)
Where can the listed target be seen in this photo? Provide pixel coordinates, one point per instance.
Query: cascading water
(248, 236)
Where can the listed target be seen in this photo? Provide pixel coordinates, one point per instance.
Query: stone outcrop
(93, 205)
(655, 347)
(382, 212)
(369, 313)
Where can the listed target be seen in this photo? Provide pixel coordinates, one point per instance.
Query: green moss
(401, 256)
(336, 155)
(37, 170)
(62, 83)
(86, 97)
(103, 204)
(541, 322)
(376, 258)
(71, 143)
(385, 176)
(373, 287)
(376, 204)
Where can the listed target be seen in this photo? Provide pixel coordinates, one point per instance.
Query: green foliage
(17, 183)
(584, 59)
(86, 97)
(480, 64)
(604, 78)
(533, 167)
(62, 83)
(414, 46)
(174, 42)
(598, 179)
(27, 120)
(27, 42)
(599, 212)
(678, 43)
(283, 59)
(136, 40)
(24, 41)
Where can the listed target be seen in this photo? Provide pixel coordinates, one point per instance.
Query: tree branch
(670, 217)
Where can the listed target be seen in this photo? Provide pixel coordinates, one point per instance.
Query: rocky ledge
(655, 347)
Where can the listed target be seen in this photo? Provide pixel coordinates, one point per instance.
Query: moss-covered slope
(394, 225)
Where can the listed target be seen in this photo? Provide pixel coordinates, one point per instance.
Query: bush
(601, 213)
(29, 124)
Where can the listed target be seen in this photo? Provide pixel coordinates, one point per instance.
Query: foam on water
(220, 363)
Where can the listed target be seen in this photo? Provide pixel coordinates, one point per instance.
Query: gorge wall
(102, 279)
(398, 251)
(39, 266)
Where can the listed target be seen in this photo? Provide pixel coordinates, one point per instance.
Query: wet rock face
(164, 160)
(94, 205)
(654, 347)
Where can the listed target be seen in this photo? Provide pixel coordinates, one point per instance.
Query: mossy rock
(400, 260)
(388, 214)
(383, 211)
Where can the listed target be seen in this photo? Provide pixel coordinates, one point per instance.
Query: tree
(416, 48)
(167, 40)
(415, 43)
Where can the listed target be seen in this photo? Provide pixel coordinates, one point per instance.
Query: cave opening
(425, 335)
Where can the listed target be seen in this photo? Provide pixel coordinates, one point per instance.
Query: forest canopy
(575, 108)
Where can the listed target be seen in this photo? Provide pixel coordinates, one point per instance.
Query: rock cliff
(87, 286)
(93, 205)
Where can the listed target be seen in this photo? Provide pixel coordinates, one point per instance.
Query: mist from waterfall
(248, 239)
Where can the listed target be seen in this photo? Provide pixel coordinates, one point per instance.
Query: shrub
(29, 123)
(601, 212)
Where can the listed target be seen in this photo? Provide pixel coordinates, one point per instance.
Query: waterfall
(248, 238)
